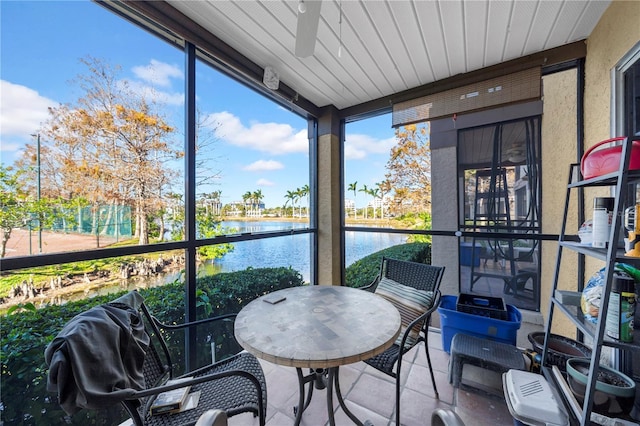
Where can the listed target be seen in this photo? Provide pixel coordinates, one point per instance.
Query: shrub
(362, 272)
(25, 335)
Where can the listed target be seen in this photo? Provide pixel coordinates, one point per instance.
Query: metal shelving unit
(491, 213)
(611, 255)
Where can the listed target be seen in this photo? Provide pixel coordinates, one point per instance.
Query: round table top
(318, 326)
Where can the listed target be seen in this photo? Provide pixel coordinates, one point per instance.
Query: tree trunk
(95, 225)
(136, 234)
(6, 234)
(143, 237)
(161, 228)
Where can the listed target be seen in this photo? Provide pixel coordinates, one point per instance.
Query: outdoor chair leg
(398, 389)
(426, 350)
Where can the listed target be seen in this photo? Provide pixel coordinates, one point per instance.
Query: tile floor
(370, 395)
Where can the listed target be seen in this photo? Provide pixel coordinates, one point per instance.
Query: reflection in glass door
(499, 167)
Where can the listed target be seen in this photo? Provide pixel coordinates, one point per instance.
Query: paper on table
(274, 298)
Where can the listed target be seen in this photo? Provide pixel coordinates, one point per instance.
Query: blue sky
(259, 145)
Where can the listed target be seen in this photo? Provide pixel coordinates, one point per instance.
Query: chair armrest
(196, 380)
(422, 318)
(213, 417)
(153, 392)
(371, 287)
(193, 323)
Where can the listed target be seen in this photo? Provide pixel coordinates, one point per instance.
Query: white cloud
(12, 150)
(22, 110)
(264, 165)
(358, 146)
(273, 138)
(353, 153)
(264, 182)
(158, 73)
(151, 93)
(150, 77)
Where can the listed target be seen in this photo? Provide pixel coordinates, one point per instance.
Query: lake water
(294, 250)
(288, 251)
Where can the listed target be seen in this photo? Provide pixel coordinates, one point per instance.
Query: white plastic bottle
(602, 215)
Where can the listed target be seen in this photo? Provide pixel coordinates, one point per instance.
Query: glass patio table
(320, 328)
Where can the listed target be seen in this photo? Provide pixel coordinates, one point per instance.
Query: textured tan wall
(558, 152)
(329, 263)
(615, 34)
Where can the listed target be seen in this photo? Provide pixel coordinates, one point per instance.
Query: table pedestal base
(321, 378)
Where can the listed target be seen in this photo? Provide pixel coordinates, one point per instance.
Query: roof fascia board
(547, 58)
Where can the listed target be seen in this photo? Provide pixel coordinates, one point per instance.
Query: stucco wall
(329, 232)
(617, 32)
(559, 150)
(614, 35)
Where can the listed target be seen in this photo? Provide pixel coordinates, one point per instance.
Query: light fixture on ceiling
(307, 27)
(270, 78)
(516, 153)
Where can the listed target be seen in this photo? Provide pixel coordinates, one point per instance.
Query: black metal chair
(394, 276)
(213, 417)
(235, 385)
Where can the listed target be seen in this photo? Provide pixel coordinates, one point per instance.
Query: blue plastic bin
(453, 322)
(466, 250)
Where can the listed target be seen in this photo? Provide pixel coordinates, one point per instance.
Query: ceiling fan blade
(307, 28)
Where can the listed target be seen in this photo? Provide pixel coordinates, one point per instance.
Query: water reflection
(293, 251)
(288, 251)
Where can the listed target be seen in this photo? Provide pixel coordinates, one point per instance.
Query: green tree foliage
(15, 208)
(296, 196)
(354, 188)
(363, 271)
(209, 227)
(25, 334)
(20, 208)
(290, 196)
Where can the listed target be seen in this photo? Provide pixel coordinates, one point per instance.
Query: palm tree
(354, 187)
(299, 195)
(304, 191)
(374, 192)
(217, 195)
(290, 196)
(245, 197)
(366, 191)
(296, 198)
(385, 188)
(257, 198)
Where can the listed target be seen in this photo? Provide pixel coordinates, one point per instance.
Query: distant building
(240, 208)
(349, 207)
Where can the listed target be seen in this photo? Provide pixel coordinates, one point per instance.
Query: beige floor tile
(370, 395)
(374, 394)
(416, 408)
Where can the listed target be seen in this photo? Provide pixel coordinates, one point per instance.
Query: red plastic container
(598, 162)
